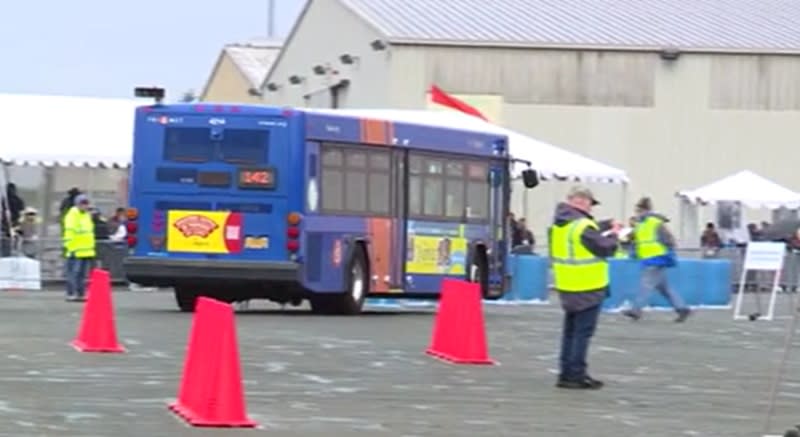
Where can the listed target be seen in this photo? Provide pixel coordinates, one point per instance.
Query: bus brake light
(293, 245)
(293, 232)
(131, 227)
(132, 240)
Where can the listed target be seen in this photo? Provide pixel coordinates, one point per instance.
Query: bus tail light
(131, 226)
(293, 232)
(293, 219)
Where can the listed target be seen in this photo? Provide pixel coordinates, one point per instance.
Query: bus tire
(186, 299)
(351, 301)
(478, 271)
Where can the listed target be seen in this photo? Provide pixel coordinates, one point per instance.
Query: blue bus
(241, 202)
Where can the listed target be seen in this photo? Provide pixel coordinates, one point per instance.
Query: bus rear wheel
(186, 299)
(351, 301)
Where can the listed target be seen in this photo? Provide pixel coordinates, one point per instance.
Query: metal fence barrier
(50, 254)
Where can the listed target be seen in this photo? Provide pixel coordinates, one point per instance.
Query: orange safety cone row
(97, 332)
(211, 392)
(459, 334)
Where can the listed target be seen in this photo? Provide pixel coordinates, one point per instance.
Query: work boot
(633, 315)
(683, 314)
(585, 383)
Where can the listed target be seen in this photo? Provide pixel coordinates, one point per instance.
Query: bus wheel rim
(357, 285)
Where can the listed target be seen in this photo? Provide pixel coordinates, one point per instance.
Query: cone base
(455, 360)
(81, 346)
(193, 419)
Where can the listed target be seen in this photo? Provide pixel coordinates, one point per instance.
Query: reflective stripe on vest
(575, 268)
(646, 238)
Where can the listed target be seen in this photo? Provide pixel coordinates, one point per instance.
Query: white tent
(746, 187)
(549, 161)
(59, 130)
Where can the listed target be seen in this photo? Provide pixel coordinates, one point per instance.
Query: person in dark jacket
(579, 250)
(9, 216)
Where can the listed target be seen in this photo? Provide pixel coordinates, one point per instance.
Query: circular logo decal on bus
(312, 195)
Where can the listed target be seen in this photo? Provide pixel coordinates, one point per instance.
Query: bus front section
(213, 209)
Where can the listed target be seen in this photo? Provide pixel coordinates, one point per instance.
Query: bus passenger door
(399, 196)
(499, 196)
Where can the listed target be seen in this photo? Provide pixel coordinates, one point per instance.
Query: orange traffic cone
(459, 334)
(97, 332)
(211, 392)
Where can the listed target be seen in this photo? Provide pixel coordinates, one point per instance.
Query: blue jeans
(579, 327)
(77, 268)
(655, 278)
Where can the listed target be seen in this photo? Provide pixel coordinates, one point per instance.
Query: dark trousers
(77, 269)
(579, 327)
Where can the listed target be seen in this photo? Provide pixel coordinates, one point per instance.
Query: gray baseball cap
(581, 191)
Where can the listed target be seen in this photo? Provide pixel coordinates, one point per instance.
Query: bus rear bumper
(160, 271)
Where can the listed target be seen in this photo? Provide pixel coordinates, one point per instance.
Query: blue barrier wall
(528, 278)
(701, 282)
(697, 281)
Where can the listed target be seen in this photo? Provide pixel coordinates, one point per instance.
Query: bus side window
(332, 179)
(478, 191)
(454, 205)
(414, 185)
(433, 190)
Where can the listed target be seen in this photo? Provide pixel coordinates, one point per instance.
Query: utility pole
(271, 19)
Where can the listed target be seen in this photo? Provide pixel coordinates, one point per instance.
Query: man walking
(79, 246)
(655, 247)
(578, 250)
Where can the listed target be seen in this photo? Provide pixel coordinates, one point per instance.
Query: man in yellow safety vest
(655, 248)
(578, 251)
(79, 247)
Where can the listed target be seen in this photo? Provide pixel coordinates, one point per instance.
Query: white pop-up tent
(745, 187)
(749, 188)
(64, 131)
(550, 162)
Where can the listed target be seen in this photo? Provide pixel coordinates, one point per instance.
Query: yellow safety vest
(78, 234)
(575, 268)
(646, 238)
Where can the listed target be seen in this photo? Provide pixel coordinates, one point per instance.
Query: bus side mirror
(530, 178)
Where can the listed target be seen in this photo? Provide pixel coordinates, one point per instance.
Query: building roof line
(591, 47)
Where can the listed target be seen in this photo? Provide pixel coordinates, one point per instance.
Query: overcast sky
(105, 48)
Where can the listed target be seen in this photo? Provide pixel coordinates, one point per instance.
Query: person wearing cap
(79, 246)
(579, 250)
(654, 246)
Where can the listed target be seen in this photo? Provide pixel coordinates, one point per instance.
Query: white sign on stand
(761, 257)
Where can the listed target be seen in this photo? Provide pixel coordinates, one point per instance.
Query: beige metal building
(239, 72)
(677, 92)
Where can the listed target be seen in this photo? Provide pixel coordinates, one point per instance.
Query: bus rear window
(188, 144)
(243, 146)
(235, 146)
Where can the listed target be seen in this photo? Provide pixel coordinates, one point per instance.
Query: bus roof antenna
(155, 93)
